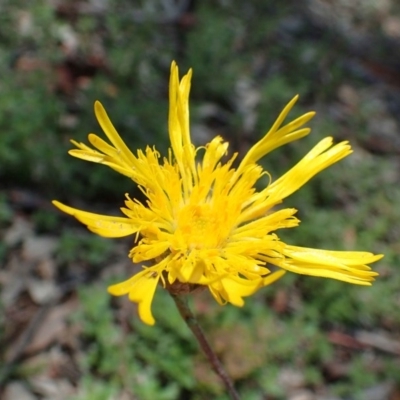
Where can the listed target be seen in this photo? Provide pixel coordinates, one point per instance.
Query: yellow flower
(204, 222)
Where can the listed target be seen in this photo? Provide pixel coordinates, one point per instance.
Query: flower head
(204, 221)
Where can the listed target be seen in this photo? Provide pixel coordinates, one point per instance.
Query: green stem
(191, 321)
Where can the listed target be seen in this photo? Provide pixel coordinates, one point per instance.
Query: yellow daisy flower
(204, 222)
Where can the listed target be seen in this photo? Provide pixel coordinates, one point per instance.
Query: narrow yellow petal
(150, 251)
(141, 289)
(144, 306)
(112, 134)
(175, 134)
(348, 266)
(236, 288)
(179, 132)
(346, 257)
(104, 225)
(123, 288)
(87, 155)
(273, 277)
(319, 158)
(277, 135)
(184, 89)
(104, 147)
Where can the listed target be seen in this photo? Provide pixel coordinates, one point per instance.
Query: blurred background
(61, 335)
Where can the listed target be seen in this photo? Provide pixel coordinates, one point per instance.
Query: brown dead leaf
(18, 231)
(46, 269)
(52, 327)
(43, 292)
(379, 391)
(302, 394)
(345, 340)
(291, 379)
(12, 280)
(37, 248)
(18, 391)
(52, 389)
(379, 340)
(395, 395)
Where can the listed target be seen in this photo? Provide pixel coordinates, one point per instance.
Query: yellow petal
(122, 288)
(144, 306)
(150, 251)
(348, 266)
(273, 277)
(141, 289)
(332, 257)
(87, 155)
(103, 225)
(104, 147)
(112, 134)
(235, 288)
(277, 135)
(319, 158)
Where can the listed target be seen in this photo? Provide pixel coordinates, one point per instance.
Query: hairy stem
(181, 302)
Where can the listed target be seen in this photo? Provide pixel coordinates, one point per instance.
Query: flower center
(200, 226)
